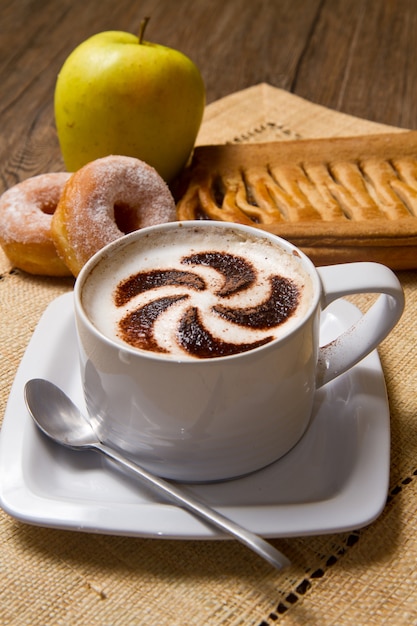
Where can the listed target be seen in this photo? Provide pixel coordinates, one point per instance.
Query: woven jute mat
(364, 577)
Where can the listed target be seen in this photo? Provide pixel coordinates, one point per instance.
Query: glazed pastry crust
(338, 199)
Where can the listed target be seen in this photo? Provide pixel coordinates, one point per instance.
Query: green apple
(118, 94)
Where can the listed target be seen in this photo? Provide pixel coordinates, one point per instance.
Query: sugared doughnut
(104, 200)
(25, 224)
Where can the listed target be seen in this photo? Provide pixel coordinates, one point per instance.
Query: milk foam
(166, 251)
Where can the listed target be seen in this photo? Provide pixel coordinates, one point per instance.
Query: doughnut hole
(49, 207)
(126, 218)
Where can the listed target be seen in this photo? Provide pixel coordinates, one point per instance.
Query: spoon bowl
(57, 416)
(61, 420)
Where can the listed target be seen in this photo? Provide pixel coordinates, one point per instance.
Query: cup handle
(372, 327)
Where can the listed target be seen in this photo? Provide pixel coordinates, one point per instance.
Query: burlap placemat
(366, 576)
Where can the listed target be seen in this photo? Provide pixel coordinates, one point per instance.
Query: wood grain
(358, 57)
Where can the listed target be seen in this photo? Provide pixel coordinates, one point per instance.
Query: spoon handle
(193, 504)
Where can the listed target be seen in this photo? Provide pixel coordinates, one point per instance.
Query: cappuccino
(198, 294)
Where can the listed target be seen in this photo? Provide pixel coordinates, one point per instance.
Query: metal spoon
(58, 417)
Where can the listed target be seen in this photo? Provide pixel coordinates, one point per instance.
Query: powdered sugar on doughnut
(104, 200)
(26, 209)
(25, 224)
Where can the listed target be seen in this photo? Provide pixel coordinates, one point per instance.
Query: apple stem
(142, 28)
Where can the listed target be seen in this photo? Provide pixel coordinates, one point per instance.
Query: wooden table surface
(358, 57)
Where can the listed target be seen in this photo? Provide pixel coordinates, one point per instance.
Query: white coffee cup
(206, 419)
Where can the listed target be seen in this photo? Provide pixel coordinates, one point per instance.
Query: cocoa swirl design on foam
(238, 273)
(137, 327)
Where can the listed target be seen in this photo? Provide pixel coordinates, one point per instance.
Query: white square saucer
(335, 479)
